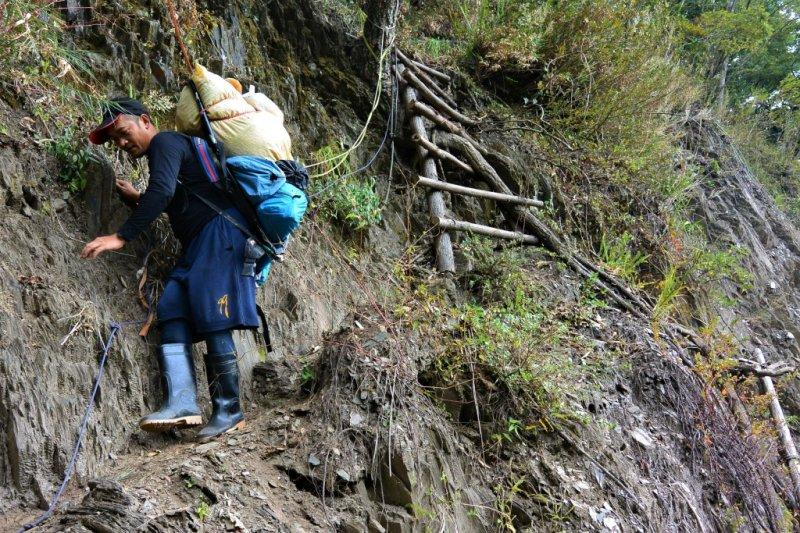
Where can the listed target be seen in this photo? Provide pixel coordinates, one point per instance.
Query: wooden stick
(445, 261)
(422, 75)
(441, 154)
(783, 429)
(176, 27)
(415, 106)
(746, 429)
(450, 187)
(460, 225)
(435, 101)
(432, 71)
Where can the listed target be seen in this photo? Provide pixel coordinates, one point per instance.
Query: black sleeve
(164, 158)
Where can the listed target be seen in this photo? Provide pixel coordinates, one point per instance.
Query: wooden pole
(549, 239)
(415, 106)
(422, 75)
(433, 72)
(469, 191)
(460, 225)
(176, 27)
(439, 153)
(445, 261)
(783, 429)
(435, 101)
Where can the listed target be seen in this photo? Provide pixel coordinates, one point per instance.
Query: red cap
(111, 112)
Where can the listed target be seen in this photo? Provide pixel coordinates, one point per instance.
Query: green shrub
(342, 195)
(74, 158)
(619, 258)
(39, 55)
(512, 334)
(670, 289)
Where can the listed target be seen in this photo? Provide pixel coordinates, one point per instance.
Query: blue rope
(115, 328)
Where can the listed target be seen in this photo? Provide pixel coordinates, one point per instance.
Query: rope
(115, 328)
(390, 131)
(341, 158)
(335, 182)
(393, 128)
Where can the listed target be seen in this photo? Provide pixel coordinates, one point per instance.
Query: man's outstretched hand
(102, 244)
(128, 192)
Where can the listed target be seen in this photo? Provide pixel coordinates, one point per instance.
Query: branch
(773, 370)
(410, 78)
(421, 74)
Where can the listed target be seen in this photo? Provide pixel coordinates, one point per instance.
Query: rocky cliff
(346, 431)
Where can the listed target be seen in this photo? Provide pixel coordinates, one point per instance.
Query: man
(207, 295)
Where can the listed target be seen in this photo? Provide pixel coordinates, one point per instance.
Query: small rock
(58, 205)
(610, 523)
(232, 442)
(202, 449)
(773, 286)
(147, 507)
(581, 486)
(257, 495)
(313, 460)
(352, 527)
(355, 419)
(375, 526)
(343, 474)
(640, 436)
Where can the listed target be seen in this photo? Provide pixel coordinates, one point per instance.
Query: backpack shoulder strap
(205, 158)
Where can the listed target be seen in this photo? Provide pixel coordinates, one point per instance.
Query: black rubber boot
(180, 393)
(223, 382)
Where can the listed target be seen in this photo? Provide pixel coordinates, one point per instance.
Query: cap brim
(99, 135)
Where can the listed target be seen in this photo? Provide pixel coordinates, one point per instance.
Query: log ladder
(432, 115)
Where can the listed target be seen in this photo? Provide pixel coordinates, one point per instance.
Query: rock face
(55, 308)
(737, 211)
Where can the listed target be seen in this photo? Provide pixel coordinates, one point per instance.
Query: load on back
(247, 124)
(258, 151)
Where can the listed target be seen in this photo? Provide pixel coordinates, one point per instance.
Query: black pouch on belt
(253, 252)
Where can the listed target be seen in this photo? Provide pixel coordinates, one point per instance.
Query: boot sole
(156, 426)
(238, 426)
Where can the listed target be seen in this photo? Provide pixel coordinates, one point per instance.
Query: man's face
(132, 134)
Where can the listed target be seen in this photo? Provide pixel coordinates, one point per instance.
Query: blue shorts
(206, 288)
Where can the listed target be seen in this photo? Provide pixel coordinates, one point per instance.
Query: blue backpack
(276, 192)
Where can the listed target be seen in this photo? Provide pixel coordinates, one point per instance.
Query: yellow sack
(245, 128)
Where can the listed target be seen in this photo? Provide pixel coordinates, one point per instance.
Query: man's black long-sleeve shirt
(170, 157)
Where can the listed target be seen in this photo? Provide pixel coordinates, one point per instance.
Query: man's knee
(175, 332)
(220, 342)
